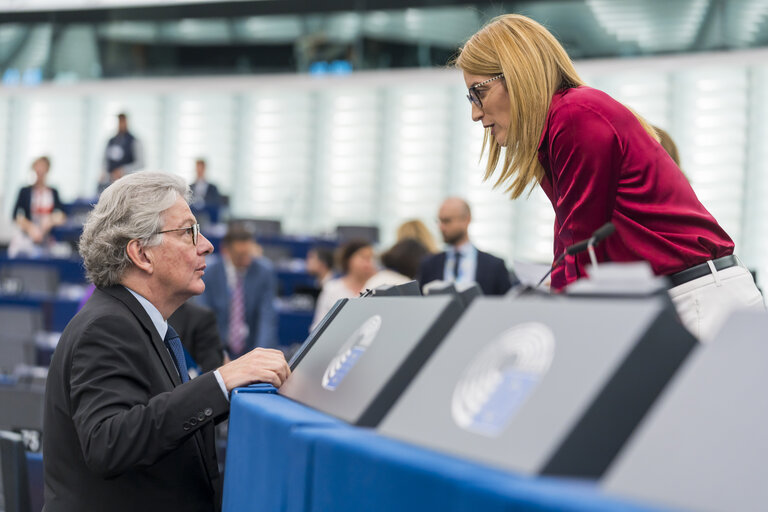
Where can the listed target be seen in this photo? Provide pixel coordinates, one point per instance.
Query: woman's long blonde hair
(535, 66)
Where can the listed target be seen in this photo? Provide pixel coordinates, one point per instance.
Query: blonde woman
(417, 230)
(597, 161)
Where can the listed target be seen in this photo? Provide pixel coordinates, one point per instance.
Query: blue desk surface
(70, 270)
(293, 325)
(35, 476)
(57, 311)
(285, 456)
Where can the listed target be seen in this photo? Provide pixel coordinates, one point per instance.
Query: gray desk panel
(704, 445)
(592, 337)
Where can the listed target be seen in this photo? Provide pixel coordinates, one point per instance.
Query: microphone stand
(591, 251)
(602, 232)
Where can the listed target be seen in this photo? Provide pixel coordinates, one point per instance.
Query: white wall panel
(384, 147)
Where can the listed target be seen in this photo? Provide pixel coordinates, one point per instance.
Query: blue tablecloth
(265, 468)
(284, 456)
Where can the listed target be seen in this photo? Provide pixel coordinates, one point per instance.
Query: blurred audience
(38, 209)
(356, 261)
(320, 264)
(462, 262)
(418, 231)
(123, 155)
(204, 193)
(199, 335)
(401, 264)
(240, 288)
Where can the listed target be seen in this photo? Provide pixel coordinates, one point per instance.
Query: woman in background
(401, 264)
(597, 161)
(357, 266)
(38, 209)
(417, 230)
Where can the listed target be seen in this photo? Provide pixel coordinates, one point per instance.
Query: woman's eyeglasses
(474, 96)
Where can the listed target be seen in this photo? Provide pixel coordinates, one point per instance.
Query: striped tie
(237, 319)
(173, 343)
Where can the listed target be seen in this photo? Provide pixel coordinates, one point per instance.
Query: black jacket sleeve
(120, 424)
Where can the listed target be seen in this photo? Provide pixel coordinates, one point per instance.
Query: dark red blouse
(601, 165)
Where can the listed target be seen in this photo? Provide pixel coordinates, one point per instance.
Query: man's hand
(258, 365)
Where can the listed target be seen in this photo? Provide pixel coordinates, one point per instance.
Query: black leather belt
(702, 270)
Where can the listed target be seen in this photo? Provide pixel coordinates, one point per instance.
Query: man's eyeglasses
(474, 96)
(194, 230)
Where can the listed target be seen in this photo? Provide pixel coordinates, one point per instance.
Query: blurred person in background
(123, 155)
(320, 264)
(356, 261)
(462, 262)
(199, 333)
(204, 193)
(38, 209)
(418, 231)
(240, 288)
(597, 161)
(401, 264)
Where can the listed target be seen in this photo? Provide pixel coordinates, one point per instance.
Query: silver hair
(131, 208)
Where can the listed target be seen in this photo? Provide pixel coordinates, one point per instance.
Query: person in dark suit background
(240, 289)
(199, 333)
(123, 155)
(204, 193)
(463, 262)
(125, 428)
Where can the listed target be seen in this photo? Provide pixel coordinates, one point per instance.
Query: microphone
(602, 232)
(599, 235)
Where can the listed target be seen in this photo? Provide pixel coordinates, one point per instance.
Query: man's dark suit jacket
(491, 272)
(196, 326)
(121, 431)
(260, 289)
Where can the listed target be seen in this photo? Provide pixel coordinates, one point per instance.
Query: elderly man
(125, 428)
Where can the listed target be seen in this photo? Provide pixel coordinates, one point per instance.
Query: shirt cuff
(221, 384)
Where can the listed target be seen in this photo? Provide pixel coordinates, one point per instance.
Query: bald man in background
(462, 262)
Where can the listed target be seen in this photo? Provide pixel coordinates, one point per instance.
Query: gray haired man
(124, 427)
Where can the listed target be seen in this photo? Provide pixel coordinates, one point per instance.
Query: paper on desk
(530, 273)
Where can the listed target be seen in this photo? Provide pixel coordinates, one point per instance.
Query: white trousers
(705, 303)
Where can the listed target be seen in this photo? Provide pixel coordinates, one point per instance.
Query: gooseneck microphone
(599, 235)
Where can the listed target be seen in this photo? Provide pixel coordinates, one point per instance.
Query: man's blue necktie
(173, 343)
(456, 263)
